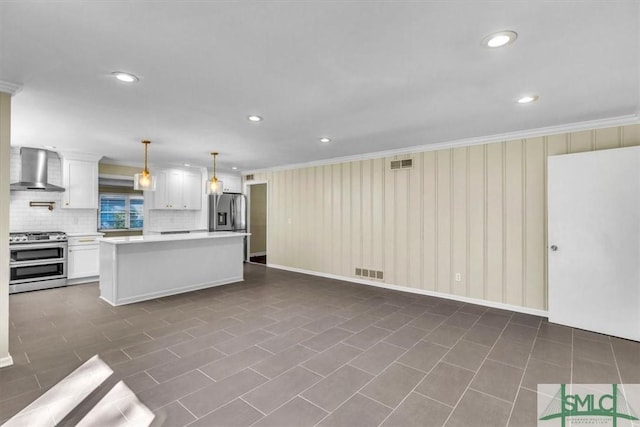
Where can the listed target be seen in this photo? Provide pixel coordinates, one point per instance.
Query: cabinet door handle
(86, 240)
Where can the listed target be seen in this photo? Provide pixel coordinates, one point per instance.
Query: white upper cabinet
(230, 183)
(178, 189)
(80, 180)
(192, 190)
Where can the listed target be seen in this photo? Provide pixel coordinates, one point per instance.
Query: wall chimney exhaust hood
(33, 175)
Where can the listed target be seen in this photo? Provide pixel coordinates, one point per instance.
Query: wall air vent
(248, 177)
(401, 164)
(372, 274)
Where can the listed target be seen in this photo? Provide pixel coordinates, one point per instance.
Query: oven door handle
(37, 246)
(37, 262)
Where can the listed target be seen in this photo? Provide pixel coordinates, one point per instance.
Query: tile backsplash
(162, 220)
(24, 218)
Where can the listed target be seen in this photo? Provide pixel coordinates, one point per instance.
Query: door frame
(247, 192)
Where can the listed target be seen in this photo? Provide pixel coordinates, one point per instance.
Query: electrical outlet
(458, 277)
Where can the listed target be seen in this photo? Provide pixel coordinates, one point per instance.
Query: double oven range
(38, 261)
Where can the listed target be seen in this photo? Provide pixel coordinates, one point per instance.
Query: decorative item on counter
(215, 185)
(144, 180)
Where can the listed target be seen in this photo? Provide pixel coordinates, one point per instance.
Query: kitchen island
(139, 268)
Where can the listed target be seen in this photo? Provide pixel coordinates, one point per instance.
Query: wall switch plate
(458, 277)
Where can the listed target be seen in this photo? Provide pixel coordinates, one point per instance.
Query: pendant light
(144, 180)
(215, 185)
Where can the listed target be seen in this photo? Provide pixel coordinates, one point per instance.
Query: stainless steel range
(38, 260)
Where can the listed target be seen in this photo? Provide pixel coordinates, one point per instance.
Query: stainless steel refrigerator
(228, 212)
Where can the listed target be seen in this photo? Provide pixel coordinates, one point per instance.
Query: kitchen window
(120, 212)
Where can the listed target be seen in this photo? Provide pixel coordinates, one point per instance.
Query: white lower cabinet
(83, 260)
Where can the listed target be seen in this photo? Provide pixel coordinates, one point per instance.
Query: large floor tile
(297, 412)
(446, 383)
(541, 372)
(423, 356)
(467, 354)
(393, 385)
(331, 359)
(357, 411)
(185, 364)
(406, 336)
(326, 339)
(477, 409)
(229, 365)
(446, 335)
(221, 392)
(498, 379)
(525, 410)
(165, 393)
(275, 365)
(418, 411)
(377, 358)
(367, 337)
(234, 414)
(337, 387)
(274, 393)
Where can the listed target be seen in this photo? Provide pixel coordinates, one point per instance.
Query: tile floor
(286, 349)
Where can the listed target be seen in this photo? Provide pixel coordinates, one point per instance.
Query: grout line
(431, 398)
(477, 370)
(512, 404)
(240, 398)
(524, 373)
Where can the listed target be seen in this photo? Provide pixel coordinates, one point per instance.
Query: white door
(594, 241)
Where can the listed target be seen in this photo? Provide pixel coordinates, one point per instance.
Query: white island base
(141, 268)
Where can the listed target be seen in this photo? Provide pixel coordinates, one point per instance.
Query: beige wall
(5, 156)
(258, 218)
(479, 211)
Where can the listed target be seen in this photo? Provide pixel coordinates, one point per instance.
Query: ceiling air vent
(248, 177)
(401, 164)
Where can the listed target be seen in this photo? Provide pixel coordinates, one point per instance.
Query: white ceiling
(373, 76)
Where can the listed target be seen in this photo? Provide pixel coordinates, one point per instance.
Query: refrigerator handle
(233, 213)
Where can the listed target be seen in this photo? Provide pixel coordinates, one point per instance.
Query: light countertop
(90, 233)
(171, 237)
(176, 230)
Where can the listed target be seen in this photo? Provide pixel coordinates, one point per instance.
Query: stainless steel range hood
(33, 175)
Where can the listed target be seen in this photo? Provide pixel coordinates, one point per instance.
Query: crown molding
(9, 87)
(630, 119)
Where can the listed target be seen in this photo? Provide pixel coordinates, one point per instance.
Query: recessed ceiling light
(254, 118)
(125, 77)
(235, 168)
(499, 39)
(187, 165)
(49, 147)
(325, 140)
(527, 99)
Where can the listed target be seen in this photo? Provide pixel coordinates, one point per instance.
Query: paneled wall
(477, 211)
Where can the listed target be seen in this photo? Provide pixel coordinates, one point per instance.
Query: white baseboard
(171, 292)
(82, 280)
(492, 304)
(6, 361)
(257, 254)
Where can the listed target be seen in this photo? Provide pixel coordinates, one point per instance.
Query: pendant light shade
(215, 185)
(144, 180)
